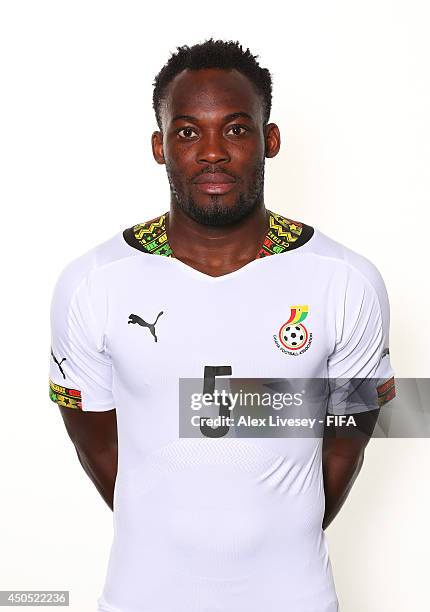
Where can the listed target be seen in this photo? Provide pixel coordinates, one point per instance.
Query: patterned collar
(283, 235)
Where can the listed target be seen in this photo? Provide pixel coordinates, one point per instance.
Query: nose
(212, 149)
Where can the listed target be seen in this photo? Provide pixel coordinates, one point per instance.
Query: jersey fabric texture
(214, 525)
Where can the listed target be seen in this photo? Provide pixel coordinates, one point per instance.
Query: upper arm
(359, 368)
(91, 430)
(80, 369)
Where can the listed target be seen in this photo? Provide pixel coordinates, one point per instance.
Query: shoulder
(323, 254)
(359, 283)
(79, 269)
(356, 266)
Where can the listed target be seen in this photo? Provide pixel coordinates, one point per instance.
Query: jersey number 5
(209, 387)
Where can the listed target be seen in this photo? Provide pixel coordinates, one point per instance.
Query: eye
(187, 132)
(238, 130)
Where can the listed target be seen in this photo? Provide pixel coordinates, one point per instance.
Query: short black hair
(213, 54)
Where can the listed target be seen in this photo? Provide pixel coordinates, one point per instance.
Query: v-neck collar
(282, 235)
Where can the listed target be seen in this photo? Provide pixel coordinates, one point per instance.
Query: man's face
(213, 144)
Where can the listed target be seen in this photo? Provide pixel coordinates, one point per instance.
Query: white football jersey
(214, 525)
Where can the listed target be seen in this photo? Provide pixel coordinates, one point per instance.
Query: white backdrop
(351, 97)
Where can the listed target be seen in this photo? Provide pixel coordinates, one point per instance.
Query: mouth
(215, 183)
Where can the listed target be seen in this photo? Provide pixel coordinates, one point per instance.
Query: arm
(94, 435)
(82, 387)
(360, 369)
(342, 459)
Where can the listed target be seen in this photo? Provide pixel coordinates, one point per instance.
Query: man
(217, 286)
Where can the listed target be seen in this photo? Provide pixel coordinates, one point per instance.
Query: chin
(217, 212)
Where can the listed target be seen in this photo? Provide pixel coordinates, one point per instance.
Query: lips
(215, 183)
(218, 178)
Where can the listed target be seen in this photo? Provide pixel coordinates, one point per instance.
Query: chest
(161, 329)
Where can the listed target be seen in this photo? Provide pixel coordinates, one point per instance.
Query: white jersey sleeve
(359, 368)
(80, 368)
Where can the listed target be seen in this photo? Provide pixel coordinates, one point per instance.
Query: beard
(215, 213)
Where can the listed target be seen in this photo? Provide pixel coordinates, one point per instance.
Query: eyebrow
(226, 118)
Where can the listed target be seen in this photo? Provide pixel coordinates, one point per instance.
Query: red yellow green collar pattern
(282, 235)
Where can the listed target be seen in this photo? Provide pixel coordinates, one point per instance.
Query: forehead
(211, 92)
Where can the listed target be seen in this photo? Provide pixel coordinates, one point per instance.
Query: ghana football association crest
(293, 337)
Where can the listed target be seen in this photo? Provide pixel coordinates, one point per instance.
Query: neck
(216, 248)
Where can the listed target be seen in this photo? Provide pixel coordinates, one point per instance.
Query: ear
(157, 147)
(272, 140)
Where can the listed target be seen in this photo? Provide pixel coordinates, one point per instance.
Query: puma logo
(151, 326)
(58, 362)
